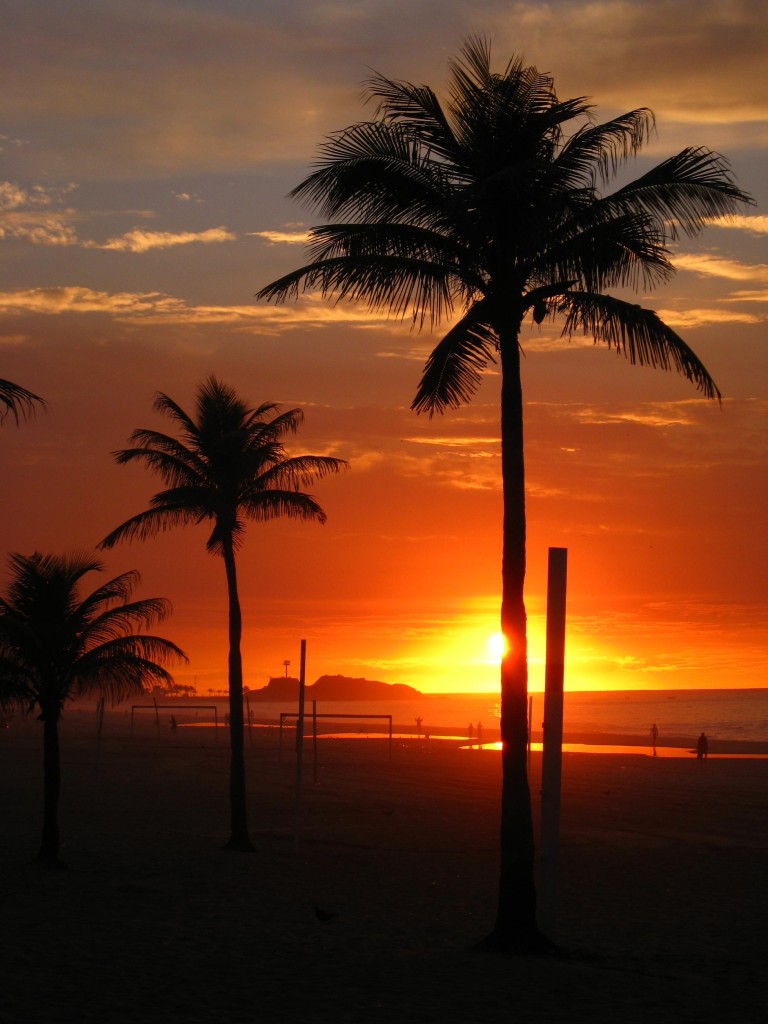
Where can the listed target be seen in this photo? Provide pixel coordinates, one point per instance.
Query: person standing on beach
(654, 737)
(702, 747)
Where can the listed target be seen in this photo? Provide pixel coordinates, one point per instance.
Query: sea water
(721, 714)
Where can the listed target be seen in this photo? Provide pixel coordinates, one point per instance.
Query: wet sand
(662, 886)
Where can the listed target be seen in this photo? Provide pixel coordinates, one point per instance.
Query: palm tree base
(51, 862)
(240, 844)
(519, 943)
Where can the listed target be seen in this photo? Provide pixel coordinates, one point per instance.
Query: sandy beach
(662, 889)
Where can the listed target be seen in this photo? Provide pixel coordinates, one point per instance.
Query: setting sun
(497, 646)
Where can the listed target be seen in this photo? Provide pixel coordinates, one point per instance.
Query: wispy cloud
(142, 241)
(756, 225)
(283, 237)
(51, 301)
(453, 442)
(29, 214)
(716, 266)
(681, 319)
(15, 197)
(158, 307)
(39, 227)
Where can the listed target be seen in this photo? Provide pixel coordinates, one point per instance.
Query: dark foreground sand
(663, 897)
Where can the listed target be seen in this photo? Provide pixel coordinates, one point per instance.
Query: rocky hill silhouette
(282, 688)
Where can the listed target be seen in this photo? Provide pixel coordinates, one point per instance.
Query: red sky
(144, 162)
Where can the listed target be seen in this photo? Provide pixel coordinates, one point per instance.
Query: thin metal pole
(552, 756)
(99, 721)
(314, 741)
(299, 742)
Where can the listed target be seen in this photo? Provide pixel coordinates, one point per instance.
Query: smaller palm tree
(55, 645)
(228, 466)
(17, 401)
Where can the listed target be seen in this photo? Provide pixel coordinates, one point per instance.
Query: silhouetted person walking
(702, 747)
(654, 737)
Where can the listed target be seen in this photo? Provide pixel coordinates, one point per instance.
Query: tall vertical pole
(314, 741)
(300, 740)
(552, 757)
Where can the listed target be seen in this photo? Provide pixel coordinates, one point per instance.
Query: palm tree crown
(55, 645)
(229, 465)
(490, 208)
(484, 211)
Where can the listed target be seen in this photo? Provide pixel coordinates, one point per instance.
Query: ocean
(734, 715)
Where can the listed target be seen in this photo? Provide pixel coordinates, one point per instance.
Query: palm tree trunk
(515, 927)
(49, 844)
(239, 838)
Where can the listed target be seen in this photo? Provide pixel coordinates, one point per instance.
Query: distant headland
(286, 688)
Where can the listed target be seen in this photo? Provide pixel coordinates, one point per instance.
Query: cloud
(160, 308)
(142, 241)
(662, 414)
(756, 225)
(287, 237)
(52, 301)
(716, 266)
(708, 57)
(15, 197)
(222, 90)
(680, 319)
(453, 442)
(39, 227)
(27, 214)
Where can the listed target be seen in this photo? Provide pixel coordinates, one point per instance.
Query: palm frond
(396, 285)
(454, 369)
(166, 456)
(150, 522)
(684, 192)
(299, 471)
(376, 171)
(596, 151)
(17, 401)
(637, 333)
(262, 506)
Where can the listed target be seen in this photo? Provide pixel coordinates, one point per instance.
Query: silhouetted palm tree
(228, 466)
(16, 401)
(490, 207)
(55, 645)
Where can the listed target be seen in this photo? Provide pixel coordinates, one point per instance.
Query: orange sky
(144, 163)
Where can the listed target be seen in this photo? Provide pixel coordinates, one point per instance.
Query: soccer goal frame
(173, 707)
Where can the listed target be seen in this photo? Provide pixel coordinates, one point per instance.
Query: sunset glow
(137, 221)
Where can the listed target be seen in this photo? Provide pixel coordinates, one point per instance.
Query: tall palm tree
(485, 211)
(229, 465)
(16, 401)
(55, 645)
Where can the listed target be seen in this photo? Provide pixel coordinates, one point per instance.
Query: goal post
(174, 707)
